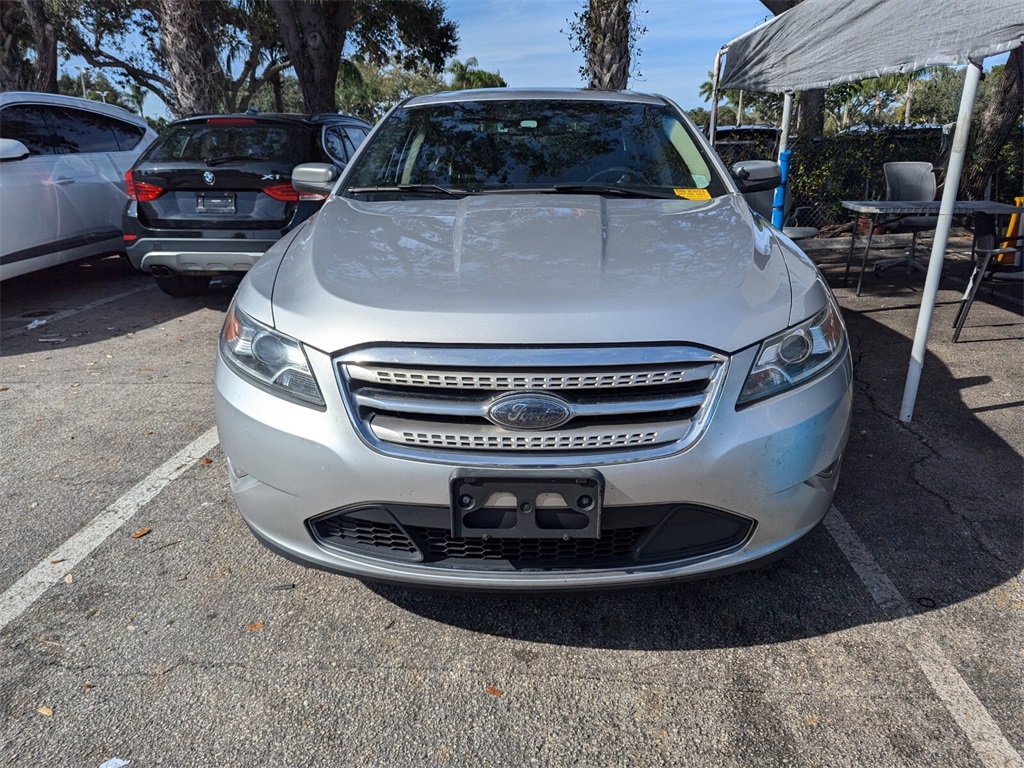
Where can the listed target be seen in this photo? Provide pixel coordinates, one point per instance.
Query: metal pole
(787, 116)
(712, 129)
(779, 201)
(81, 77)
(931, 283)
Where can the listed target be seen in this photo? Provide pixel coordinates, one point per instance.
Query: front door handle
(64, 180)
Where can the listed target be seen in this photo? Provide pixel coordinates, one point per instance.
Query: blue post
(779, 204)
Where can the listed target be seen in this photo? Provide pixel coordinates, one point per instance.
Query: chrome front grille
(619, 403)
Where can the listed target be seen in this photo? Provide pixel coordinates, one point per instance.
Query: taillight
(284, 192)
(140, 190)
(288, 194)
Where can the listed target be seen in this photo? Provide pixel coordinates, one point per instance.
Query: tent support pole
(715, 74)
(931, 284)
(787, 116)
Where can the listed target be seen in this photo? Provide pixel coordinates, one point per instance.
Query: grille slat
(412, 401)
(614, 544)
(436, 379)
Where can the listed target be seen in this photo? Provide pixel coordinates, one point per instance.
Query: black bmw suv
(214, 192)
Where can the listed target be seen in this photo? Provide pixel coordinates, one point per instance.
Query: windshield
(531, 144)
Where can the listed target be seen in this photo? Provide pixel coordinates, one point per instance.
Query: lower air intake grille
(641, 534)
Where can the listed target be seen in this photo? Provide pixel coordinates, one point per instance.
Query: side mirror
(12, 149)
(314, 178)
(756, 175)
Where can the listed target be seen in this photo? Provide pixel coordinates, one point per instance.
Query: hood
(533, 269)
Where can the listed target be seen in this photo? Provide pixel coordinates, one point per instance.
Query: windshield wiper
(235, 158)
(610, 189)
(411, 188)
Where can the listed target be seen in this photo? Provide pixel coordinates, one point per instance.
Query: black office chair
(908, 181)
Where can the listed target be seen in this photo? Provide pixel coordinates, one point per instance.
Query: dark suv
(214, 192)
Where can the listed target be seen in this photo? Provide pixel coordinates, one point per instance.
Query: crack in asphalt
(931, 452)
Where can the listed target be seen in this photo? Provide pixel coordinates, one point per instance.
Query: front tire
(182, 286)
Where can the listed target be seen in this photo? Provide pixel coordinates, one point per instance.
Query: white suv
(62, 165)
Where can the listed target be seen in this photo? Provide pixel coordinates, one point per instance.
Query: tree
(1000, 119)
(16, 69)
(136, 96)
(372, 90)
(195, 63)
(283, 96)
(606, 31)
(97, 88)
(700, 116)
(189, 50)
(45, 36)
(763, 107)
(467, 75)
(406, 32)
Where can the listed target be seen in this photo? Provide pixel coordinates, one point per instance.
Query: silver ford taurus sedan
(534, 340)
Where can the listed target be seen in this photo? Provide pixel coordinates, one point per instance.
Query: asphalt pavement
(142, 624)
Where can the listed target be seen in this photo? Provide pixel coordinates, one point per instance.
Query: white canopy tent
(821, 43)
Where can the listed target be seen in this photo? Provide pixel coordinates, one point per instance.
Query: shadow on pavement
(32, 304)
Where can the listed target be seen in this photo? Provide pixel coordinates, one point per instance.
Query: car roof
(60, 100)
(297, 118)
(540, 94)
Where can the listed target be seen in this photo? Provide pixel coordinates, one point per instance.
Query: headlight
(795, 355)
(271, 359)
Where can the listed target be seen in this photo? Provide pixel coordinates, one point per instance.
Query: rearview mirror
(315, 178)
(12, 149)
(756, 175)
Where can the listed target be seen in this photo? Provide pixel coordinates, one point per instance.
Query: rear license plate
(526, 504)
(215, 203)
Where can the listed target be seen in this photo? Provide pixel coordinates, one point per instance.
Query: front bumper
(774, 463)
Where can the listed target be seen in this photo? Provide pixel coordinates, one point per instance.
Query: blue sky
(522, 40)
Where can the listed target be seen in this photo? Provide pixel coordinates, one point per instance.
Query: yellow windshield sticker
(693, 194)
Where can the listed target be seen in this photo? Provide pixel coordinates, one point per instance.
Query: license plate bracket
(215, 203)
(482, 504)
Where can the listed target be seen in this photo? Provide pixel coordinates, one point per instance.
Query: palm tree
(467, 74)
(608, 52)
(137, 96)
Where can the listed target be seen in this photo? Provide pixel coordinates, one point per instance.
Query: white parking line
(963, 705)
(62, 560)
(43, 321)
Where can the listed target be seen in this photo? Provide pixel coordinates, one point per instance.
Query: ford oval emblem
(208, 177)
(525, 411)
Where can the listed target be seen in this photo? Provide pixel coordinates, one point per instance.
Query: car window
(128, 136)
(230, 137)
(27, 124)
(76, 131)
(340, 142)
(522, 144)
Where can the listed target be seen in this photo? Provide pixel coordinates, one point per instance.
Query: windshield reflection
(531, 144)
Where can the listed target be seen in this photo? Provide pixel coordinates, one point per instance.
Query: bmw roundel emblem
(208, 177)
(529, 411)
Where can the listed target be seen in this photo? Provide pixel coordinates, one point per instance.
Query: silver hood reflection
(533, 269)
